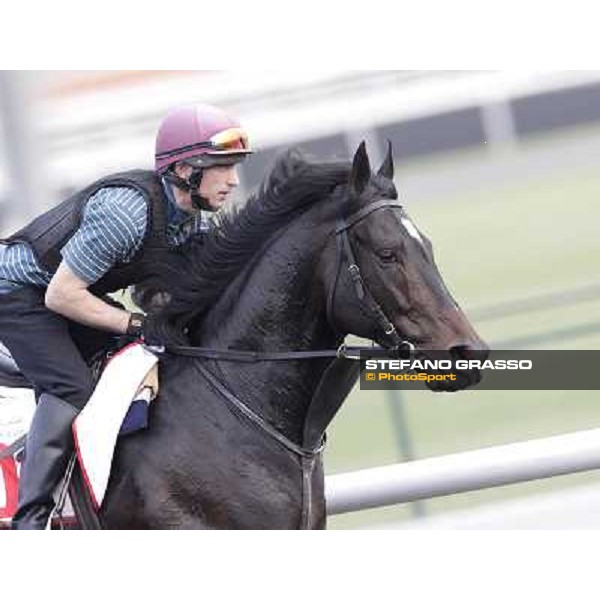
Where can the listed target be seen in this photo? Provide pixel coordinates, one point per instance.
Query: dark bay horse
(277, 277)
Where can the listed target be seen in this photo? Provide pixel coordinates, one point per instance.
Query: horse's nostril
(469, 351)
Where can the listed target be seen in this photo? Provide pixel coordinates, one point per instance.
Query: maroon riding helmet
(201, 136)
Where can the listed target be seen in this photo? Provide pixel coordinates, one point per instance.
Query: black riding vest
(49, 232)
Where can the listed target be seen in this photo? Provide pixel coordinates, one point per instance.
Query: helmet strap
(198, 201)
(191, 185)
(182, 184)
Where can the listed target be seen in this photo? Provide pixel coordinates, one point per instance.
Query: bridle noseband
(344, 251)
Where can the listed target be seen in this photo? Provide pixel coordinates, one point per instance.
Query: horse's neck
(277, 307)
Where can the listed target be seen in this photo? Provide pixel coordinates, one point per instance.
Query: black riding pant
(50, 350)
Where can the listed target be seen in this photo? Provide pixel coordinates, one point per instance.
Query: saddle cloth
(17, 406)
(119, 405)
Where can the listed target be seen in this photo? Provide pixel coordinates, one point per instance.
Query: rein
(250, 356)
(362, 292)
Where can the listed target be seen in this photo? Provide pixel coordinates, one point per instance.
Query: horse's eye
(387, 256)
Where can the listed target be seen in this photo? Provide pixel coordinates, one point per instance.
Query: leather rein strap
(250, 356)
(362, 292)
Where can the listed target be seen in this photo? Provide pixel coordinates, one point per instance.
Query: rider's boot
(47, 452)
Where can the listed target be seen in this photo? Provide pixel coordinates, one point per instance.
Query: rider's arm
(111, 232)
(68, 295)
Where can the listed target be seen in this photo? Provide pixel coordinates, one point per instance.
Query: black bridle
(344, 247)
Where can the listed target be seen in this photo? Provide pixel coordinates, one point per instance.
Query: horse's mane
(199, 274)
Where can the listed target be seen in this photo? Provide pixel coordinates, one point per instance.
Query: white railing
(463, 472)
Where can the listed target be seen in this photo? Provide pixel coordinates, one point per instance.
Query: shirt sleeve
(112, 230)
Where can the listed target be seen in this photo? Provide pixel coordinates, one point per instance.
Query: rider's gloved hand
(141, 328)
(136, 327)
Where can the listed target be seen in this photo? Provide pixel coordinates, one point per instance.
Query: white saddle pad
(97, 427)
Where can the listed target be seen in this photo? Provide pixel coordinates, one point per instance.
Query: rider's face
(217, 184)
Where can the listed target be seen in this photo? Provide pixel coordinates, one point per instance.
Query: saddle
(126, 383)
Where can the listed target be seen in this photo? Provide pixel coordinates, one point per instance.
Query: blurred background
(500, 169)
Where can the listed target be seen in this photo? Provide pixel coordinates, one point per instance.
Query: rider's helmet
(201, 136)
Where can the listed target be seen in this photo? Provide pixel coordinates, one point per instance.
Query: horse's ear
(387, 167)
(361, 170)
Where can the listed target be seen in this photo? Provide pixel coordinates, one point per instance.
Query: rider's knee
(75, 390)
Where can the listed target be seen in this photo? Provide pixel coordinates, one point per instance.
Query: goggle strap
(181, 149)
(213, 144)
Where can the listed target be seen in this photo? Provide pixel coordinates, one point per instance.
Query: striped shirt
(112, 231)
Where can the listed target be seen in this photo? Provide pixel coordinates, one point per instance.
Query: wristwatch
(135, 327)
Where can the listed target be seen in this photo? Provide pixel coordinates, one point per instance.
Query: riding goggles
(228, 141)
(234, 139)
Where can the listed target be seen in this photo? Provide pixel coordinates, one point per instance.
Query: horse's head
(386, 286)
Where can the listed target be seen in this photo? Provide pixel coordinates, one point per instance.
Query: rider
(55, 272)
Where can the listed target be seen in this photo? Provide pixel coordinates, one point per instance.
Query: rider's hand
(136, 326)
(140, 328)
